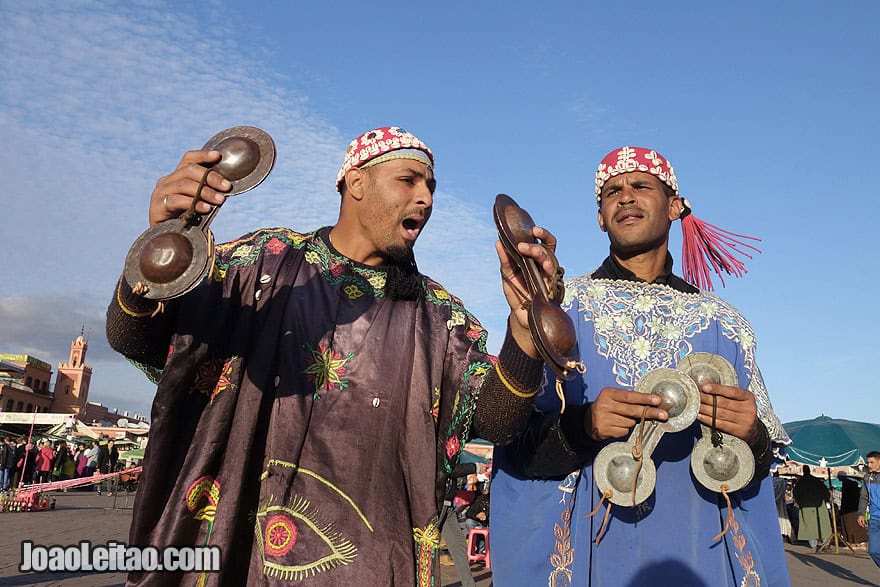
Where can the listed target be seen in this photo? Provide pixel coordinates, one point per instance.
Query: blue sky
(767, 110)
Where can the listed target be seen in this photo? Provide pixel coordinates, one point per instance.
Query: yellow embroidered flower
(313, 257)
(326, 368)
(352, 291)
(456, 320)
(481, 371)
(441, 294)
(429, 535)
(377, 280)
(296, 237)
(218, 274)
(242, 251)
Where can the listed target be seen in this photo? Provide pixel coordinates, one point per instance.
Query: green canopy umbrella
(469, 457)
(827, 442)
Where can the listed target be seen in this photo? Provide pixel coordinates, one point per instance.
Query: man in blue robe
(633, 315)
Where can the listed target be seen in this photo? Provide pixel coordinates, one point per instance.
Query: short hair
(874, 455)
(806, 469)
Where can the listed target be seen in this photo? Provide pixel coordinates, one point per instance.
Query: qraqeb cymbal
(170, 259)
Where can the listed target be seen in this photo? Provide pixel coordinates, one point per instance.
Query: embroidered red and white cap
(704, 246)
(629, 159)
(380, 145)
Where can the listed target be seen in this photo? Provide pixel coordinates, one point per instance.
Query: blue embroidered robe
(541, 532)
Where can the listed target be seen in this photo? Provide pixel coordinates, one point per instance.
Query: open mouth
(412, 226)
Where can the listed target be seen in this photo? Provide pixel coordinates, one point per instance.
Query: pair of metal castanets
(173, 257)
(624, 471)
(551, 328)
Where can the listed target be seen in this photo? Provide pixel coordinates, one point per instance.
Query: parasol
(829, 442)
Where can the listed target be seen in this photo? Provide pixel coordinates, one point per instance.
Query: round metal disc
(730, 464)
(264, 165)
(681, 398)
(708, 368)
(203, 253)
(613, 469)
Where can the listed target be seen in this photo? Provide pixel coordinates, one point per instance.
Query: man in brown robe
(315, 392)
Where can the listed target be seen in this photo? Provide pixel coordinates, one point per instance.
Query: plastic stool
(473, 555)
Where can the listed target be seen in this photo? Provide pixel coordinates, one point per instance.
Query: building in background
(72, 382)
(24, 384)
(25, 387)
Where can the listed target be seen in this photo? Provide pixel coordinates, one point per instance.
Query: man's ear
(675, 208)
(601, 222)
(355, 183)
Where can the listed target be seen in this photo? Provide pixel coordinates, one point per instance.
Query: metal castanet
(720, 462)
(551, 328)
(170, 259)
(624, 470)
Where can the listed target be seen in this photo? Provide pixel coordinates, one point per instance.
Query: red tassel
(704, 244)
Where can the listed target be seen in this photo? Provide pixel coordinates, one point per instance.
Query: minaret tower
(72, 382)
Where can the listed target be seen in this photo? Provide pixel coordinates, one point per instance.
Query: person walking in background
(7, 459)
(849, 510)
(811, 495)
(780, 488)
(103, 466)
(92, 459)
(869, 505)
(44, 460)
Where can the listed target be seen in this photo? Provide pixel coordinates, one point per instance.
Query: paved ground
(100, 519)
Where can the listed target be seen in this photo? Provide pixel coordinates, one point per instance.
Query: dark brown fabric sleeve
(501, 413)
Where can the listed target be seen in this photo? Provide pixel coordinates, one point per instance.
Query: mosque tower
(72, 382)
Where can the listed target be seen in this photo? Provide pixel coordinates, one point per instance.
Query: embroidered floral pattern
(204, 489)
(224, 382)
(435, 404)
(352, 291)
(453, 445)
(325, 368)
(427, 542)
(207, 375)
(246, 250)
(463, 412)
(641, 327)
(562, 557)
(744, 556)
(281, 534)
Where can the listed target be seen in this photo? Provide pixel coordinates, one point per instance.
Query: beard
(403, 283)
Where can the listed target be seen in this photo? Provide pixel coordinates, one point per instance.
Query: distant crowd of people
(804, 508)
(27, 463)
